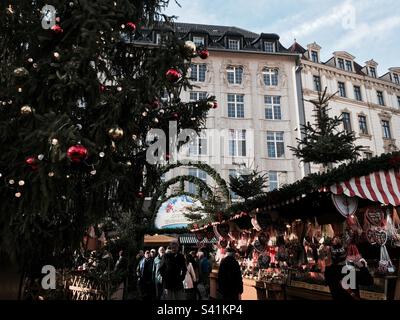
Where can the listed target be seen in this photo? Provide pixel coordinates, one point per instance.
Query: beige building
(369, 103)
(253, 78)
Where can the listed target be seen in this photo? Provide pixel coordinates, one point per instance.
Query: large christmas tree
(79, 90)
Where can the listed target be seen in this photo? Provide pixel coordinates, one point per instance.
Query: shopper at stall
(230, 282)
(173, 271)
(338, 275)
(190, 280)
(204, 275)
(157, 278)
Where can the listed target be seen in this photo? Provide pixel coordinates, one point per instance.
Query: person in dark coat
(145, 274)
(230, 282)
(173, 271)
(349, 290)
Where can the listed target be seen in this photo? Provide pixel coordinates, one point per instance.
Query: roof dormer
(344, 61)
(371, 68)
(395, 75)
(232, 40)
(314, 52)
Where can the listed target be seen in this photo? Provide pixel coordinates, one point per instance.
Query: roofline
(365, 77)
(256, 52)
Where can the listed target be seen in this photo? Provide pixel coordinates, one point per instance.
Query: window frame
(199, 147)
(317, 83)
(198, 174)
(276, 181)
(199, 43)
(269, 43)
(237, 41)
(236, 105)
(273, 106)
(314, 56)
(380, 97)
(358, 93)
(387, 132)
(372, 72)
(396, 78)
(239, 143)
(341, 63)
(271, 77)
(346, 119)
(363, 124)
(197, 72)
(349, 65)
(342, 89)
(236, 74)
(276, 143)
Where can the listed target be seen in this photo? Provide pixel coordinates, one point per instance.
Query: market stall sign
(171, 214)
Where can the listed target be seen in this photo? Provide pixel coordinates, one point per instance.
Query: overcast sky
(365, 28)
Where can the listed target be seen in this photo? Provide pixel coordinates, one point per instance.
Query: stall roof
(192, 239)
(158, 240)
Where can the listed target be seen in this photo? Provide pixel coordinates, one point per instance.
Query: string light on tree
(116, 133)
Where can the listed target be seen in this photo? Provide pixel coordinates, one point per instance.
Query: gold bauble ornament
(26, 110)
(21, 72)
(116, 133)
(190, 47)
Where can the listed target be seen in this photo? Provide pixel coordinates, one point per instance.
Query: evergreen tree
(248, 185)
(324, 142)
(79, 91)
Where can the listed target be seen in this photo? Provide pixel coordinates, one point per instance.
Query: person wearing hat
(340, 288)
(230, 282)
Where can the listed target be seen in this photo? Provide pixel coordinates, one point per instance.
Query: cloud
(372, 32)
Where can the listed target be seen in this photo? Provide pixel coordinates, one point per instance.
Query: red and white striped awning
(380, 186)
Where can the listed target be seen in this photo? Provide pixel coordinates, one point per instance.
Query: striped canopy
(380, 186)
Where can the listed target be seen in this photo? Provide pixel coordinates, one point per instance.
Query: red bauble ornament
(140, 194)
(215, 105)
(102, 88)
(204, 54)
(131, 26)
(173, 75)
(32, 162)
(57, 29)
(77, 153)
(175, 115)
(155, 104)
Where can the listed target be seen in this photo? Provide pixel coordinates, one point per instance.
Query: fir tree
(248, 185)
(78, 95)
(324, 142)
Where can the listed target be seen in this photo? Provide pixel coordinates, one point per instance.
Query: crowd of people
(170, 275)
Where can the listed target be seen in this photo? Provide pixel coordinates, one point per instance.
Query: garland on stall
(310, 184)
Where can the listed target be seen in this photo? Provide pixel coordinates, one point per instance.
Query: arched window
(270, 77)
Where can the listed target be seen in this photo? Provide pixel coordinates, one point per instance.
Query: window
(198, 72)
(233, 44)
(198, 145)
(396, 78)
(233, 173)
(158, 38)
(381, 100)
(386, 129)
(398, 100)
(275, 144)
(197, 95)
(198, 41)
(349, 65)
(273, 107)
(340, 63)
(368, 155)
(237, 143)
(342, 89)
(235, 75)
(346, 121)
(314, 56)
(235, 106)
(362, 121)
(269, 46)
(270, 77)
(273, 180)
(194, 172)
(372, 72)
(317, 83)
(357, 93)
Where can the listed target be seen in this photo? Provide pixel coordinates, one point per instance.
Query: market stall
(283, 239)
